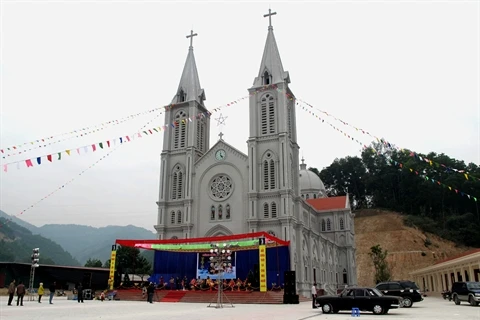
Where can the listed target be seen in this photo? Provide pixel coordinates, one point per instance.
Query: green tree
(93, 263)
(130, 260)
(379, 259)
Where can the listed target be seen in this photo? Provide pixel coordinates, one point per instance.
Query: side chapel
(209, 191)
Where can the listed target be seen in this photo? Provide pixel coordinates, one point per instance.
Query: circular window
(221, 187)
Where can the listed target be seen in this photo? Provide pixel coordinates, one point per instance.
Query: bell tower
(186, 140)
(272, 146)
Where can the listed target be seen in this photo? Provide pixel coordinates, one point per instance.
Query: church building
(208, 191)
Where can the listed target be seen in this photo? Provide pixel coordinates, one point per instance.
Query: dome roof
(310, 182)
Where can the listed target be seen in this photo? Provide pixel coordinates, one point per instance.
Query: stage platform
(235, 297)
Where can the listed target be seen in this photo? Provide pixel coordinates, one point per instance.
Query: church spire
(271, 68)
(303, 165)
(189, 88)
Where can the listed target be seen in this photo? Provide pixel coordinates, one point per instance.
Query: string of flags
(57, 156)
(76, 176)
(389, 145)
(391, 161)
(50, 140)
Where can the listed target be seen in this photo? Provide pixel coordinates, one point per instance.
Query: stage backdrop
(204, 270)
(184, 264)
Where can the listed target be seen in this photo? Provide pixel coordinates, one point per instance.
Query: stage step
(174, 296)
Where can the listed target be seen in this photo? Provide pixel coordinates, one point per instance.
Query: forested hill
(435, 191)
(17, 243)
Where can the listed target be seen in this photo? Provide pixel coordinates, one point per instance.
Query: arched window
(172, 217)
(174, 238)
(314, 196)
(201, 135)
(266, 78)
(307, 196)
(274, 210)
(180, 130)
(323, 224)
(329, 225)
(267, 114)
(269, 172)
(177, 182)
(220, 212)
(270, 232)
(182, 96)
(227, 208)
(303, 196)
(265, 211)
(179, 216)
(342, 224)
(212, 213)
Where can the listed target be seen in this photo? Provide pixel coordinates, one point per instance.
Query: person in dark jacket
(11, 292)
(150, 291)
(52, 291)
(20, 293)
(80, 293)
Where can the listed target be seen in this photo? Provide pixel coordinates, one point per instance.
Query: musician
(193, 283)
(239, 284)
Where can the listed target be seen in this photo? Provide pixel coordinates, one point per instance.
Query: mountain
(409, 248)
(85, 242)
(17, 243)
(20, 222)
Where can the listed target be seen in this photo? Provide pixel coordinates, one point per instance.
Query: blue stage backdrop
(181, 264)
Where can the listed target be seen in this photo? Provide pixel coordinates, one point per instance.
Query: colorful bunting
(47, 141)
(387, 144)
(400, 165)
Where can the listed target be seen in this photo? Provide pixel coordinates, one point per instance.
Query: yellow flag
(67, 151)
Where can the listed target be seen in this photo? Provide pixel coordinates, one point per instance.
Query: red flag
(94, 147)
(29, 163)
(49, 157)
(108, 143)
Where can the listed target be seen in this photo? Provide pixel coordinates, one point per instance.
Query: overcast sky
(403, 70)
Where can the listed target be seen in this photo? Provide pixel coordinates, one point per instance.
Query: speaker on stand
(290, 295)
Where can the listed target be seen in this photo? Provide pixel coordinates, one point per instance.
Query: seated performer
(193, 283)
(239, 284)
(231, 284)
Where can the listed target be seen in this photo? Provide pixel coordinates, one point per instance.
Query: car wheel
(407, 302)
(377, 309)
(456, 300)
(327, 308)
(472, 301)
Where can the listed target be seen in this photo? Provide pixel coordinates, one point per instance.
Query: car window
(474, 286)
(375, 292)
(464, 286)
(409, 285)
(394, 286)
(349, 293)
(360, 292)
(382, 286)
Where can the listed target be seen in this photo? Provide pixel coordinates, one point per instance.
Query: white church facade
(210, 191)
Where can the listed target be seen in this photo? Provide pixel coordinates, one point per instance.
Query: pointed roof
(189, 86)
(271, 62)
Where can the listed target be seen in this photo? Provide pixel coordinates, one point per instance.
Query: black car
(408, 290)
(466, 291)
(365, 299)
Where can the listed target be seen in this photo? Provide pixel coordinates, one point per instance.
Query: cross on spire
(191, 35)
(269, 15)
(220, 123)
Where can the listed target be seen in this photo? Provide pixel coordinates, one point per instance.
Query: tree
(93, 263)
(129, 260)
(379, 259)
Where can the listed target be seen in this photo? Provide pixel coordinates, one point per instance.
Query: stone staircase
(174, 296)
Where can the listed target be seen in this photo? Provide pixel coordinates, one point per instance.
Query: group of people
(21, 291)
(203, 284)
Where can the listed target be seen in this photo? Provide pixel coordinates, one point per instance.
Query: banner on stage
(204, 269)
(262, 268)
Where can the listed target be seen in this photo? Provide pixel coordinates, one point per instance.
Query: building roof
(190, 82)
(467, 253)
(310, 182)
(331, 203)
(62, 267)
(271, 62)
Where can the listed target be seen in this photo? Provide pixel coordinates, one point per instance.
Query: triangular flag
(59, 156)
(94, 147)
(67, 151)
(49, 157)
(29, 163)
(39, 160)
(108, 143)
(101, 145)
(5, 167)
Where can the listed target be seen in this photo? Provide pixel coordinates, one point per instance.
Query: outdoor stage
(188, 259)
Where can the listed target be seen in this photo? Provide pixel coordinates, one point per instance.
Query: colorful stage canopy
(237, 242)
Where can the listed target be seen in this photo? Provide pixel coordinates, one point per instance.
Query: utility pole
(35, 260)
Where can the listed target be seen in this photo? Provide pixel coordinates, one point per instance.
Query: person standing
(41, 291)
(150, 291)
(20, 293)
(80, 293)
(11, 292)
(314, 296)
(52, 291)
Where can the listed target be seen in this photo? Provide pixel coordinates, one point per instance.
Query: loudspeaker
(256, 275)
(290, 284)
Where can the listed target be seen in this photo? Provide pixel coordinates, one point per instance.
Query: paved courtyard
(430, 308)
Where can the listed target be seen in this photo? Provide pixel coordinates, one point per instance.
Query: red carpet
(174, 296)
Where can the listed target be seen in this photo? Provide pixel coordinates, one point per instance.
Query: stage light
(35, 257)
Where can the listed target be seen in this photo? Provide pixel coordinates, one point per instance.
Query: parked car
(408, 290)
(466, 291)
(365, 299)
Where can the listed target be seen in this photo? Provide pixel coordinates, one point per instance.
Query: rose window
(221, 187)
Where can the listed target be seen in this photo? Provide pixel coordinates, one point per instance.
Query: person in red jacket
(20, 293)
